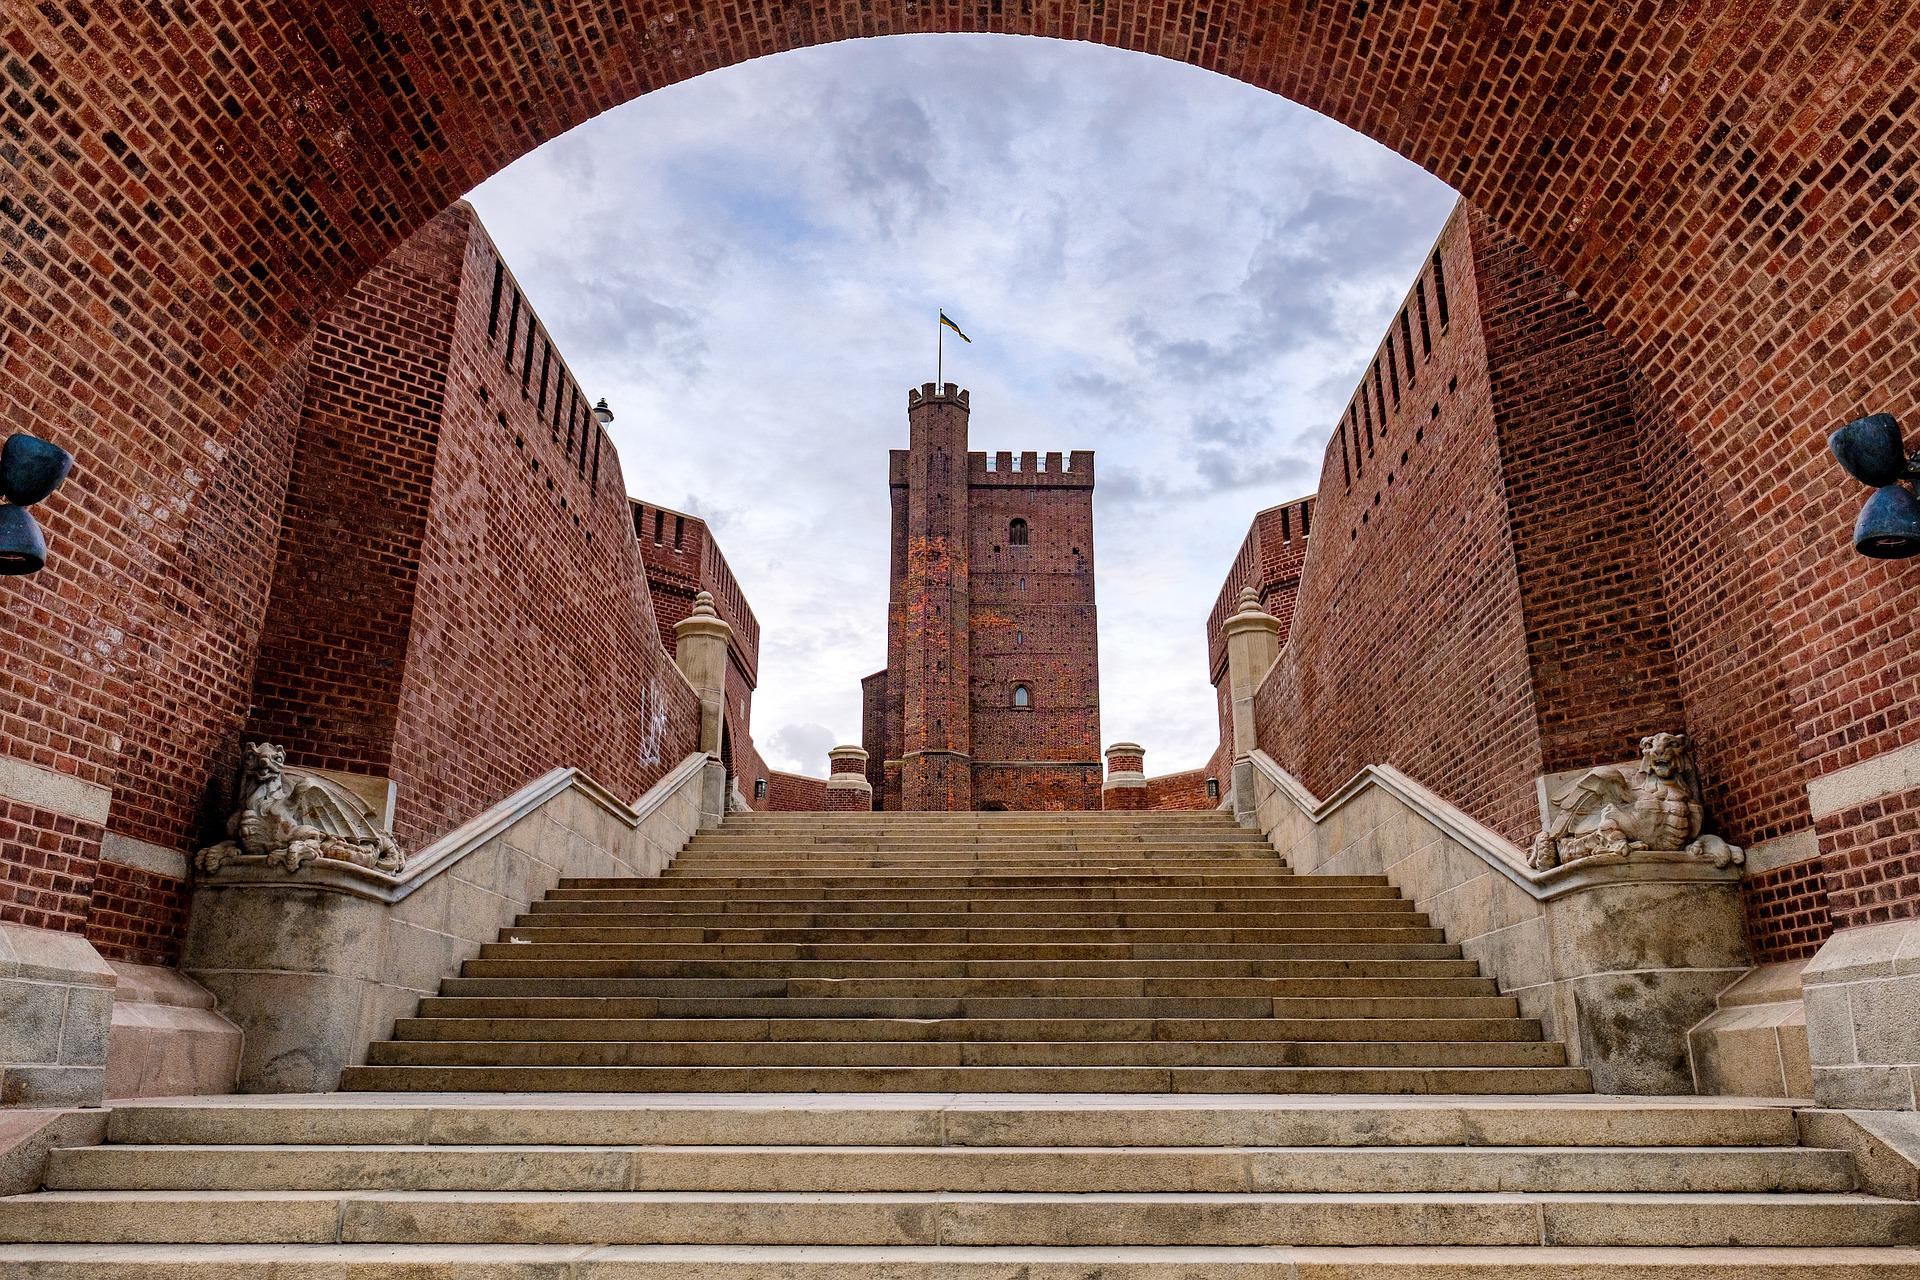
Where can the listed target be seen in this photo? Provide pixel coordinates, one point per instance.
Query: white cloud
(1180, 272)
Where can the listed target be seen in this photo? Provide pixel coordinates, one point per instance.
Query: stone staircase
(908, 1047)
(994, 953)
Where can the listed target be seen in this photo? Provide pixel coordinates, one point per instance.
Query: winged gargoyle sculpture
(291, 817)
(1652, 804)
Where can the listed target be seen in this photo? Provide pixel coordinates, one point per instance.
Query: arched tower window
(1017, 533)
(1021, 698)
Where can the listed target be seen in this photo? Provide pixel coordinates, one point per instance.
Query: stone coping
(333, 875)
(1651, 866)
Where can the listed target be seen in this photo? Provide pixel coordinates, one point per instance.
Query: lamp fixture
(602, 414)
(30, 470)
(1871, 451)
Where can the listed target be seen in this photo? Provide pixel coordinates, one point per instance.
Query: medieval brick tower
(991, 694)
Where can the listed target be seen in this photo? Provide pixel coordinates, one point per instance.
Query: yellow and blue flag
(956, 328)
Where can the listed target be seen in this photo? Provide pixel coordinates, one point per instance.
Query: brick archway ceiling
(188, 185)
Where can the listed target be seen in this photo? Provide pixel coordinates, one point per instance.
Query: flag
(956, 328)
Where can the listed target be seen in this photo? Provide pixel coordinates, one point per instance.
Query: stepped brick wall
(1495, 456)
(683, 559)
(974, 615)
(457, 601)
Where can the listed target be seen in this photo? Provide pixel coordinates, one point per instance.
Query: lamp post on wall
(1871, 451)
(30, 469)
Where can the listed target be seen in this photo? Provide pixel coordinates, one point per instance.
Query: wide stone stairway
(999, 1047)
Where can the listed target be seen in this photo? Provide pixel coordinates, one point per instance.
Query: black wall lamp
(30, 469)
(1871, 451)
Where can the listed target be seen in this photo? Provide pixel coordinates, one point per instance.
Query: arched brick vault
(188, 185)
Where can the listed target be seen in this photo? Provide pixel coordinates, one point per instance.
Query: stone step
(968, 1121)
(798, 865)
(906, 951)
(1010, 1029)
(1137, 1170)
(663, 895)
(983, 919)
(1297, 970)
(1481, 1219)
(1202, 1080)
(1009, 935)
(964, 1053)
(895, 882)
(937, 988)
(561, 1005)
(831, 1262)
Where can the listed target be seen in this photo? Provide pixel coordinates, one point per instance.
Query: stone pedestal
(847, 787)
(1253, 646)
(167, 1039)
(1126, 784)
(700, 651)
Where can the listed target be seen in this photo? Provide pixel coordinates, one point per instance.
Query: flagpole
(939, 357)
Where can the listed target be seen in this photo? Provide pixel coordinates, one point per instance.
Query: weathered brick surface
(795, 793)
(51, 861)
(1480, 605)
(1871, 860)
(991, 591)
(1788, 914)
(1730, 186)
(137, 915)
(1180, 791)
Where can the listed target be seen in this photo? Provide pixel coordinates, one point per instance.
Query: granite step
(1012, 1029)
(1321, 1219)
(1049, 1080)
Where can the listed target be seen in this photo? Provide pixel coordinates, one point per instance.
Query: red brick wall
(460, 603)
(1482, 604)
(1180, 791)
(1033, 622)
(795, 793)
(137, 915)
(873, 733)
(1870, 855)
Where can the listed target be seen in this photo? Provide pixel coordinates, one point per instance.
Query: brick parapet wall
(795, 793)
(1409, 642)
(1187, 790)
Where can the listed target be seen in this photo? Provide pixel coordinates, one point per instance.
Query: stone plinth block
(1862, 991)
(847, 787)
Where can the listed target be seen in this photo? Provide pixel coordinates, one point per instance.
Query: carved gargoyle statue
(1652, 804)
(291, 817)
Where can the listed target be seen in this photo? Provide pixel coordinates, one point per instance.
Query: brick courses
(795, 793)
(1730, 187)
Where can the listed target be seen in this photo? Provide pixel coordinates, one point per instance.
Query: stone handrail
(1490, 846)
(333, 875)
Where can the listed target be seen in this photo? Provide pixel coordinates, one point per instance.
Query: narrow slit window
(1406, 341)
(1380, 398)
(1021, 696)
(526, 364)
(1017, 533)
(546, 368)
(493, 308)
(1426, 335)
(1393, 372)
(1440, 287)
(513, 329)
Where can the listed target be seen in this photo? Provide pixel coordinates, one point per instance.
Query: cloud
(1176, 270)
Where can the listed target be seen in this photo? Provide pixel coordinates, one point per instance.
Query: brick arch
(1730, 186)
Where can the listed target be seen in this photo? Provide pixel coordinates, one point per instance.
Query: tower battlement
(1031, 469)
(928, 393)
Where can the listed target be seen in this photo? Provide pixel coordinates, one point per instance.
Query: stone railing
(1617, 955)
(315, 966)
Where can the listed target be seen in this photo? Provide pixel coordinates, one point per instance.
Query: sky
(1182, 273)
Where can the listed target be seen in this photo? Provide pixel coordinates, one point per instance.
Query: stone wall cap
(50, 955)
(1127, 748)
(1868, 951)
